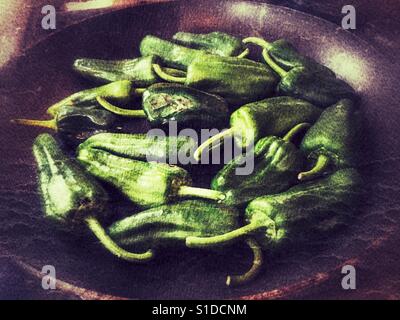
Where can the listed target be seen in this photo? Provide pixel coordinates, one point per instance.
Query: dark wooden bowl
(43, 75)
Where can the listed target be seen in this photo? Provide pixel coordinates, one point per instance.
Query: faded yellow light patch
(89, 5)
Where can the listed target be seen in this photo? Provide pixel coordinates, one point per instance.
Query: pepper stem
(185, 191)
(244, 54)
(49, 124)
(120, 111)
(227, 238)
(255, 268)
(139, 91)
(321, 164)
(258, 41)
(295, 130)
(274, 66)
(206, 144)
(167, 77)
(111, 246)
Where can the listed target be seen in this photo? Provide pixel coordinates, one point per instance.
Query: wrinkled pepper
(301, 213)
(333, 141)
(312, 82)
(171, 54)
(119, 91)
(139, 71)
(218, 43)
(237, 80)
(273, 116)
(277, 162)
(75, 123)
(141, 146)
(165, 102)
(286, 55)
(70, 196)
(169, 226)
(147, 184)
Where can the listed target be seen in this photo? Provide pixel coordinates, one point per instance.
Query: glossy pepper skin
(141, 146)
(273, 116)
(171, 54)
(218, 43)
(68, 193)
(168, 226)
(237, 80)
(303, 212)
(166, 102)
(73, 123)
(333, 141)
(139, 70)
(277, 162)
(119, 91)
(147, 184)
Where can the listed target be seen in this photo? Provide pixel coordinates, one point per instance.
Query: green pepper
(218, 43)
(236, 80)
(141, 146)
(303, 212)
(171, 54)
(286, 55)
(165, 102)
(273, 116)
(74, 123)
(169, 226)
(147, 184)
(139, 71)
(277, 162)
(70, 196)
(333, 140)
(119, 91)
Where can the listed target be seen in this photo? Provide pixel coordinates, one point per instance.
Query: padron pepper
(171, 54)
(147, 184)
(218, 43)
(237, 80)
(139, 70)
(118, 91)
(286, 55)
(70, 196)
(303, 212)
(273, 116)
(75, 123)
(165, 102)
(277, 162)
(333, 141)
(311, 82)
(169, 226)
(141, 146)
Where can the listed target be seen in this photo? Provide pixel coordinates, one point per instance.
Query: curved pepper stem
(111, 246)
(49, 124)
(120, 111)
(274, 66)
(186, 191)
(166, 76)
(244, 54)
(224, 239)
(295, 130)
(255, 269)
(319, 167)
(258, 41)
(206, 144)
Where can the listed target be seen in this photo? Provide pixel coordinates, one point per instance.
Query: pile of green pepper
(296, 120)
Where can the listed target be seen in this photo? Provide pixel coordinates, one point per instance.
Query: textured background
(377, 24)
